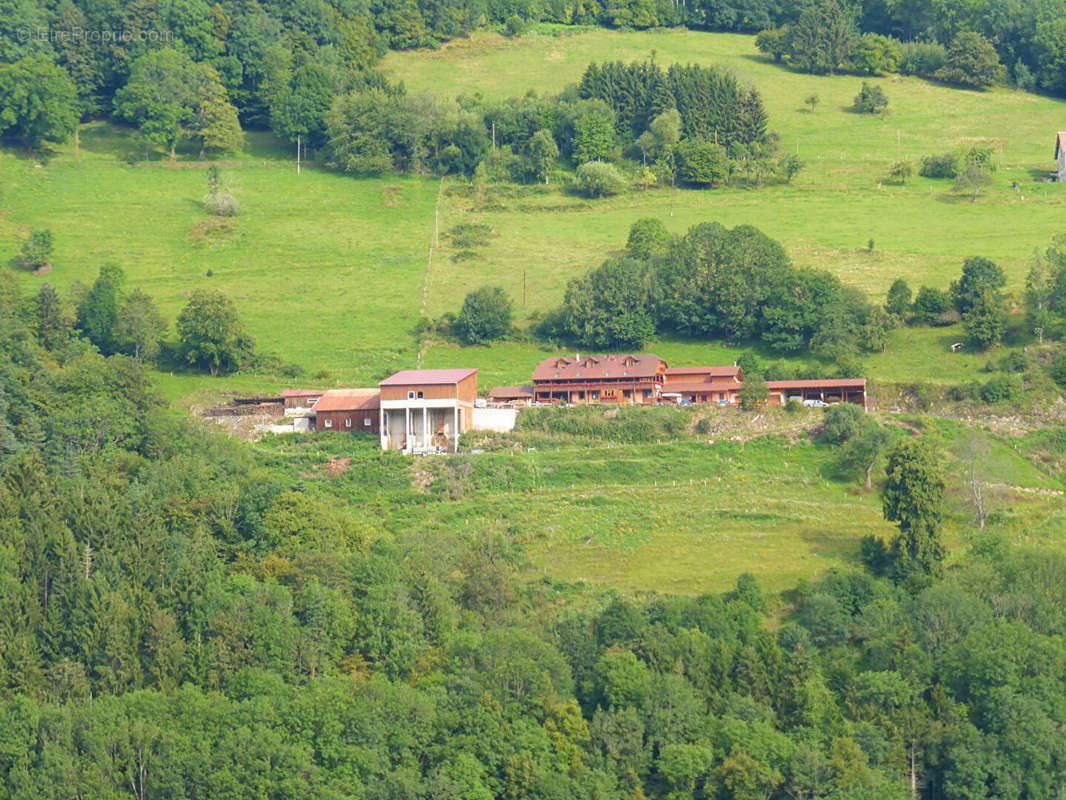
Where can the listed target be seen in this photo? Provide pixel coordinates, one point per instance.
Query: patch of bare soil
(243, 427)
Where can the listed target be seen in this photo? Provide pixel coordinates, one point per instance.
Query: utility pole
(297, 154)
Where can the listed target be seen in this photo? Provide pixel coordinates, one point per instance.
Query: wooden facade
(625, 379)
(349, 411)
(427, 410)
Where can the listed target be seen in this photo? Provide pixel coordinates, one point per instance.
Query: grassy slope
(921, 231)
(328, 271)
(685, 516)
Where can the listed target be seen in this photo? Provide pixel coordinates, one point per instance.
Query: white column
(455, 429)
(425, 427)
(407, 427)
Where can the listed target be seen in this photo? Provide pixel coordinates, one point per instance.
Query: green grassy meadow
(683, 516)
(332, 273)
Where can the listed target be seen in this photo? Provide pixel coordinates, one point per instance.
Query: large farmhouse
(644, 378)
(636, 378)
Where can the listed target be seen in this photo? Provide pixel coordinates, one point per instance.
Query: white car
(813, 402)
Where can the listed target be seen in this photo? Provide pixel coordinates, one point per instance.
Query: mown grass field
(921, 231)
(330, 272)
(684, 516)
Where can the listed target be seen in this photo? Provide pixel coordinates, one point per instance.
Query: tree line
(111, 320)
(227, 65)
(713, 282)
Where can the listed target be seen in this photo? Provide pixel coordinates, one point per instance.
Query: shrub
(702, 163)
(921, 58)
(485, 316)
(220, 199)
(1058, 371)
(470, 235)
(1015, 361)
(1001, 389)
(773, 42)
(600, 179)
(870, 100)
(930, 305)
(793, 406)
(514, 26)
(1023, 77)
(37, 250)
(945, 165)
(292, 371)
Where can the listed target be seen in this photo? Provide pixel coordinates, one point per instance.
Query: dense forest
(198, 73)
(180, 617)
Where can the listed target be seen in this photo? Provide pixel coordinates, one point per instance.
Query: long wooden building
(634, 378)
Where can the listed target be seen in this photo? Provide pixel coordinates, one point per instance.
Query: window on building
(347, 422)
(329, 423)
(366, 420)
(420, 395)
(410, 395)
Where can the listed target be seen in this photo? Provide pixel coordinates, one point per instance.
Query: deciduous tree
(485, 316)
(38, 102)
(210, 333)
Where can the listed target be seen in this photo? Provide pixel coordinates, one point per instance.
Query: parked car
(813, 402)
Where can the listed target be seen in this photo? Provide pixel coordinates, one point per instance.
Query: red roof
(417, 377)
(516, 392)
(566, 368)
(692, 387)
(827, 383)
(302, 393)
(349, 400)
(714, 372)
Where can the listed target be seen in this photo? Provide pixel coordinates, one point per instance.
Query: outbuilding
(349, 410)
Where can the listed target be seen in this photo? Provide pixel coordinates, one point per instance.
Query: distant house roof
(693, 387)
(349, 400)
(413, 377)
(828, 383)
(599, 367)
(723, 372)
(1060, 143)
(686, 374)
(511, 393)
(302, 393)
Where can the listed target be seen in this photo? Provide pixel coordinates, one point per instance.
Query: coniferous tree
(913, 498)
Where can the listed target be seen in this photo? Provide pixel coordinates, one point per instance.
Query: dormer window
(589, 362)
(556, 374)
(607, 374)
(625, 372)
